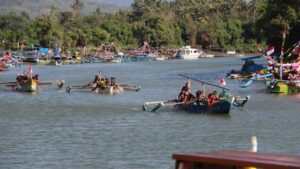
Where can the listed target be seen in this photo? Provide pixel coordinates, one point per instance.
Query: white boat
(188, 53)
(161, 58)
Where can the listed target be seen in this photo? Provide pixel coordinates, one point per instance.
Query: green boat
(283, 86)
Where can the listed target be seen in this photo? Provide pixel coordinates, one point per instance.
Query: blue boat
(30, 57)
(221, 107)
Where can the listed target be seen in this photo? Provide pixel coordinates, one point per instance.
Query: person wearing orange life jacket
(212, 98)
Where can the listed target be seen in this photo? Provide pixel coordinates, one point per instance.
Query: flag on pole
(258, 47)
(282, 45)
(29, 69)
(222, 82)
(270, 50)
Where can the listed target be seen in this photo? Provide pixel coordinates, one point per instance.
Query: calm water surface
(52, 129)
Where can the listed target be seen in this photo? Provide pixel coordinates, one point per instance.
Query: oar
(204, 82)
(130, 87)
(8, 83)
(69, 88)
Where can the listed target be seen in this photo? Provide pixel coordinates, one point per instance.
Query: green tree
(14, 30)
(278, 16)
(46, 30)
(158, 32)
(77, 6)
(143, 9)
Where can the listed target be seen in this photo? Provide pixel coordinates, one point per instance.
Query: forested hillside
(227, 24)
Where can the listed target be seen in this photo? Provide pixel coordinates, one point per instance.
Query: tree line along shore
(226, 25)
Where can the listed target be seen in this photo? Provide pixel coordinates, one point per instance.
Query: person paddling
(95, 83)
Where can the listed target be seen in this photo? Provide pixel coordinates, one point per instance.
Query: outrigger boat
(109, 90)
(244, 83)
(29, 82)
(102, 85)
(284, 84)
(221, 106)
(249, 68)
(30, 85)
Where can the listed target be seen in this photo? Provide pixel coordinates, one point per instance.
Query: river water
(53, 129)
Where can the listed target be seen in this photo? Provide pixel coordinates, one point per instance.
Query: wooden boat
(283, 86)
(235, 159)
(221, 107)
(248, 68)
(30, 85)
(110, 90)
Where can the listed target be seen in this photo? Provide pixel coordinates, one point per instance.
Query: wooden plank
(261, 156)
(237, 161)
(246, 159)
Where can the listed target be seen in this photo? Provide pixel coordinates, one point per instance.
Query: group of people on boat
(23, 78)
(102, 82)
(201, 97)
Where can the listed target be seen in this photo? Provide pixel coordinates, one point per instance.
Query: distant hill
(36, 7)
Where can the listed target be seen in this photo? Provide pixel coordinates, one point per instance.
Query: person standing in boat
(183, 95)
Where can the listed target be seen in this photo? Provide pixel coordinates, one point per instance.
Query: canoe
(111, 90)
(30, 85)
(221, 107)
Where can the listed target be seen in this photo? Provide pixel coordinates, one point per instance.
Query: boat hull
(283, 87)
(110, 90)
(190, 56)
(221, 107)
(28, 86)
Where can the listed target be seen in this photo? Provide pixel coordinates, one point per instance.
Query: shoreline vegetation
(224, 25)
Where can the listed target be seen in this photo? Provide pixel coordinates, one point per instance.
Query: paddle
(69, 88)
(7, 83)
(130, 87)
(204, 82)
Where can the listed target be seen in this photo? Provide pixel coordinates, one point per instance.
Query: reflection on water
(54, 129)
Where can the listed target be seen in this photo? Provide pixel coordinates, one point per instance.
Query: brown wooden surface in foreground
(235, 160)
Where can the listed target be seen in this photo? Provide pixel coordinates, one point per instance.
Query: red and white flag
(270, 50)
(29, 69)
(222, 82)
